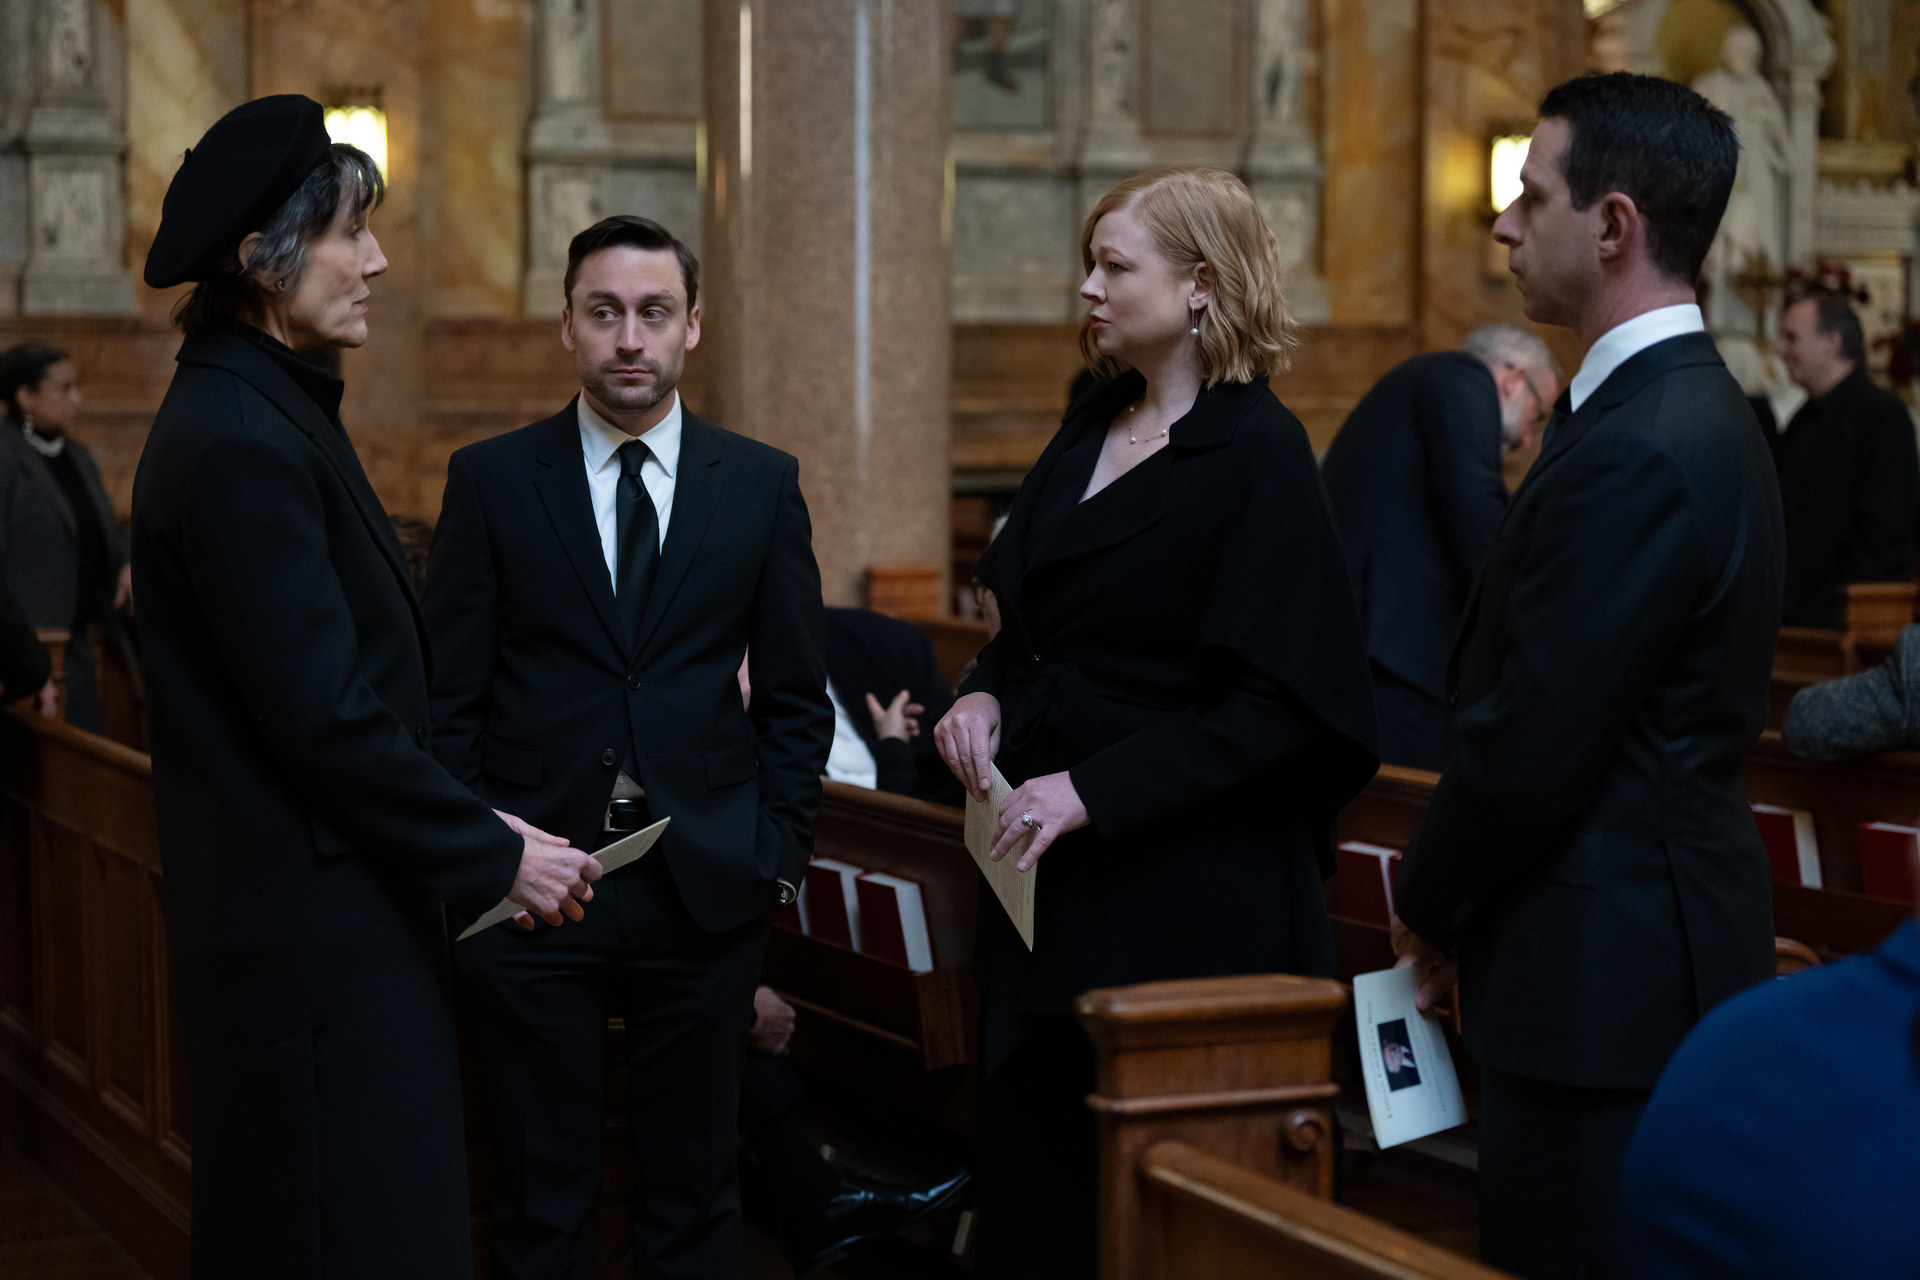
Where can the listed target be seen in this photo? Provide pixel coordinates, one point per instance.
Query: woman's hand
(897, 719)
(968, 737)
(1055, 808)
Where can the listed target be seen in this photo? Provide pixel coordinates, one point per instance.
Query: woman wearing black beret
(1178, 688)
(307, 836)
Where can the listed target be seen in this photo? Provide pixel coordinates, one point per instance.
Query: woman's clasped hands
(1046, 807)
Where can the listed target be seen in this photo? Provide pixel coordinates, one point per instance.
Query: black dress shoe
(861, 1210)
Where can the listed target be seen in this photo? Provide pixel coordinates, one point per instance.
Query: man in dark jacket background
(1414, 479)
(1849, 472)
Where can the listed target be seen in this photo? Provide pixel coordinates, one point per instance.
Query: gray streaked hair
(1499, 345)
(280, 259)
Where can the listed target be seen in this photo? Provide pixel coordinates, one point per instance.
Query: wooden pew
(908, 1039)
(1205, 1216)
(1240, 1068)
(1870, 623)
(1836, 920)
(92, 1071)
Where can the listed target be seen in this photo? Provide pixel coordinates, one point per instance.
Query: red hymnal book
(833, 904)
(1364, 881)
(1890, 862)
(893, 922)
(1791, 848)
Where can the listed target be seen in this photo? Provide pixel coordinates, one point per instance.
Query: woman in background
(65, 555)
(1178, 688)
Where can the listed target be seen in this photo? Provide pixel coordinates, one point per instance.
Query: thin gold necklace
(1131, 410)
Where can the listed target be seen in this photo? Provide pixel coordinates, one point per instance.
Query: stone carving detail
(74, 170)
(572, 45)
(1279, 68)
(1752, 231)
(71, 208)
(1114, 32)
(69, 44)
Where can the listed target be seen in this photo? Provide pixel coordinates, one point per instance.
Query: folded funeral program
(612, 858)
(1011, 885)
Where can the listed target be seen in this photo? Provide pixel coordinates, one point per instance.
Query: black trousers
(1034, 1157)
(1550, 1162)
(541, 1002)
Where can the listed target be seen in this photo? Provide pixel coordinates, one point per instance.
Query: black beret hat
(249, 164)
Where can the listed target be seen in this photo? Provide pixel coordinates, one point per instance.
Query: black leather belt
(627, 815)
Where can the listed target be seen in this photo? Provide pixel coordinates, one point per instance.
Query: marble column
(569, 148)
(1282, 168)
(826, 328)
(75, 171)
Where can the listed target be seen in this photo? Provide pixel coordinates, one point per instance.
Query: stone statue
(1754, 222)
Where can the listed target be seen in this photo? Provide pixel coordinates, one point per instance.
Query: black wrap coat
(1185, 644)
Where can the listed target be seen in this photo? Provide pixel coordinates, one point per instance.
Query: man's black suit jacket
(1415, 484)
(536, 687)
(1850, 490)
(1589, 848)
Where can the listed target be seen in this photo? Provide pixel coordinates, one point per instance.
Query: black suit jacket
(867, 652)
(304, 828)
(1415, 483)
(537, 688)
(1589, 848)
(1850, 488)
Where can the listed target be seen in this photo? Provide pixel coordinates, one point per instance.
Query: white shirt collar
(601, 439)
(1626, 340)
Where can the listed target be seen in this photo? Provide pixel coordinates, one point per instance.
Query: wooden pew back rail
(1239, 1067)
(1209, 1217)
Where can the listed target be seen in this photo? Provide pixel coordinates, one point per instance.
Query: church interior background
(887, 197)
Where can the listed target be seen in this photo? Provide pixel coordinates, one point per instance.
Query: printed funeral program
(1411, 1088)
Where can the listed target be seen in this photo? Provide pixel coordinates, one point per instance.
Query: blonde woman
(1179, 686)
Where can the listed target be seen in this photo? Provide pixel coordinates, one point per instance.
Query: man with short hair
(1588, 860)
(1415, 483)
(1849, 471)
(596, 580)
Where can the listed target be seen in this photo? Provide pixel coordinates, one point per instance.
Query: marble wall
(1360, 124)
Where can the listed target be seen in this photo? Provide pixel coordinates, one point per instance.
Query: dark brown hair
(26, 366)
(634, 232)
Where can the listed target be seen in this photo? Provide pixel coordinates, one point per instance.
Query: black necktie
(639, 539)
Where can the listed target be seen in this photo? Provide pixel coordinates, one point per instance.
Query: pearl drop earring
(1194, 317)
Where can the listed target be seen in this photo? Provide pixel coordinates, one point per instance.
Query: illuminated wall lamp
(364, 127)
(1505, 154)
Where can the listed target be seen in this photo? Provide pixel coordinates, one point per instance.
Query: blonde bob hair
(1208, 215)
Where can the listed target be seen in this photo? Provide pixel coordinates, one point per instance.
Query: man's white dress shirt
(1625, 341)
(600, 441)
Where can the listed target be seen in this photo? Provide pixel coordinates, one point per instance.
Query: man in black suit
(1588, 856)
(1849, 472)
(596, 579)
(1414, 481)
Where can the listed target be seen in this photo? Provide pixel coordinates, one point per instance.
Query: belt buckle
(626, 815)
